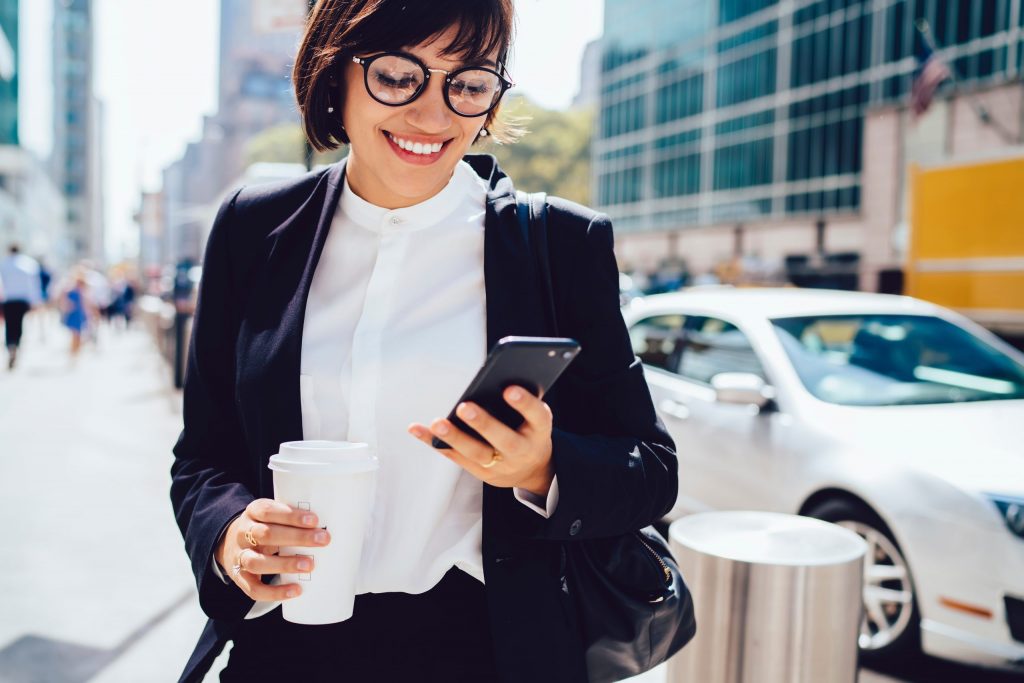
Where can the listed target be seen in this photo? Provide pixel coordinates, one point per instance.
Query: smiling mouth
(416, 149)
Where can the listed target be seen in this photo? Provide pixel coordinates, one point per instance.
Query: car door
(724, 450)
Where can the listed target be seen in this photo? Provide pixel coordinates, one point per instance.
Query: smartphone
(533, 363)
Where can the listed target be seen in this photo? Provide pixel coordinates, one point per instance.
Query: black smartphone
(533, 363)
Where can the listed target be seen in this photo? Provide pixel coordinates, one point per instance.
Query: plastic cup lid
(767, 538)
(324, 457)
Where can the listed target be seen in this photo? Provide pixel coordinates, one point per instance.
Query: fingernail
(442, 428)
(515, 394)
(320, 537)
(304, 565)
(308, 520)
(292, 592)
(468, 412)
(416, 432)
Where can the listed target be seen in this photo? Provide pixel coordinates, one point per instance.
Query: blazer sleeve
(208, 473)
(615, 462)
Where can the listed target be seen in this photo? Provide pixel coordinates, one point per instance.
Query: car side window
(713, 346)
(657, 340)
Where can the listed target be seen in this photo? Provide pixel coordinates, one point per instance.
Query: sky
(156, 72)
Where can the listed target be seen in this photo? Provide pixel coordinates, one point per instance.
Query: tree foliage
(286, 144)
(553, 155)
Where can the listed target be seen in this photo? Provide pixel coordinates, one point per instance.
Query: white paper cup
(335, 480)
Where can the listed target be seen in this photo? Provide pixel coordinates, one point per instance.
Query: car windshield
(877, 360)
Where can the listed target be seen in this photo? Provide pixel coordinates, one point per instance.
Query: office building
(9, 72)
(76, 160)
(779, 130)
(258, 42)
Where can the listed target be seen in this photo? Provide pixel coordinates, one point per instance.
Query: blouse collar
(416, 217)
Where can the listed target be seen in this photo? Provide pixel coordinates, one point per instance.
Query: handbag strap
(532, 212)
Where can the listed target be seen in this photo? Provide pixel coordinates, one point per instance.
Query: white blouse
(395, 329)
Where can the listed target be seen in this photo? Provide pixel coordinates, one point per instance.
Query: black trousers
(440, 635)
(14, 314)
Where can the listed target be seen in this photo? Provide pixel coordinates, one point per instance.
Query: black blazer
(615, 463)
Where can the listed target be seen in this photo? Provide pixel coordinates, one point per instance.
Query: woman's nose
(429, 112)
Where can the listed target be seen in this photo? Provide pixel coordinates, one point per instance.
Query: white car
(896, 418)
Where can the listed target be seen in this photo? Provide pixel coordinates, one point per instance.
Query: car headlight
(1012, 510)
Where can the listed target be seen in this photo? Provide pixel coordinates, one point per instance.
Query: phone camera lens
(567, 355)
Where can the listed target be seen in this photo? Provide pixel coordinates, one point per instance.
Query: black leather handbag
(632, 605)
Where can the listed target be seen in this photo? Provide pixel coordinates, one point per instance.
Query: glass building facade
(9, 72)
(730, 111)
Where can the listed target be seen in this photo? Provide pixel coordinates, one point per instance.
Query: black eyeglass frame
(365, 62)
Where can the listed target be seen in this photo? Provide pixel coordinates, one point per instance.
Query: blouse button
(575, 528)
(395, 220)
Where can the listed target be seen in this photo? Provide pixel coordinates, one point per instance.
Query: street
(98, 587)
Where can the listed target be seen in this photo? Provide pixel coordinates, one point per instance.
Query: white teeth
(417, 147)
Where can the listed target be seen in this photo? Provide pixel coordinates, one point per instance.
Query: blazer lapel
(513, 293)
(271, 334)
(514, 306)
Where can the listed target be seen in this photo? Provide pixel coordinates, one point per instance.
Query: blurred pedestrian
(22, 290)
(369, 276)
(75, 310)
(127, 296)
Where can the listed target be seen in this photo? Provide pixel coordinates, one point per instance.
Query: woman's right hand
(272, 524)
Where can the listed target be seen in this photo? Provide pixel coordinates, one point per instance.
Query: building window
(747, 78)
(680, 99)
(731, 10)
(622, 117)
(621, 187)
(678, 176)
(743, 165)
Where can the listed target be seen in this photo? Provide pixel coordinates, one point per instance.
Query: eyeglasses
(396, 78)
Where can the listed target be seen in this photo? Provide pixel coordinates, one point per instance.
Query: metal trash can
(777, 598)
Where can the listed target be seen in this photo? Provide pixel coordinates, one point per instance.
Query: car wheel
(890, 628)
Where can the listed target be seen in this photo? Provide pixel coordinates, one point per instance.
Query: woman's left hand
(523, 456)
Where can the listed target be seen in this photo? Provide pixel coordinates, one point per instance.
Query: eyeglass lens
(392, 79)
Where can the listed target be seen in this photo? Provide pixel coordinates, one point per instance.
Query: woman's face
(378, 169)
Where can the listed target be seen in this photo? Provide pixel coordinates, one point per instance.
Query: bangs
(482, 27)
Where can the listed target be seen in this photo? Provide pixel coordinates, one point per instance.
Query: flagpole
(980, 110)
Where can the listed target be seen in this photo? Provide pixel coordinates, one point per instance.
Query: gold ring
(496, 457)
(248, 537)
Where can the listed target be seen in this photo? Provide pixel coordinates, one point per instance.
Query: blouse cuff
(534, 502)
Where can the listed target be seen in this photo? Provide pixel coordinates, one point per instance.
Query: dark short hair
(340, 29)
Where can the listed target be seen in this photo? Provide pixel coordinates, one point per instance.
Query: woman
(356, 303)
(75, 311)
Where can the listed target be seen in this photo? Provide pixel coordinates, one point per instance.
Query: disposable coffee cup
(335, 480)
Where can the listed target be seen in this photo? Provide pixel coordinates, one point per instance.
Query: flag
(930, 73)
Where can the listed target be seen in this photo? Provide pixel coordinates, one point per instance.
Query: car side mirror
(742, 388)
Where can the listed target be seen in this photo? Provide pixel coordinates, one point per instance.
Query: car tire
(901, 635)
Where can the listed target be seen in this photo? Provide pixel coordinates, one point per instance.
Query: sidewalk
(97, 586)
